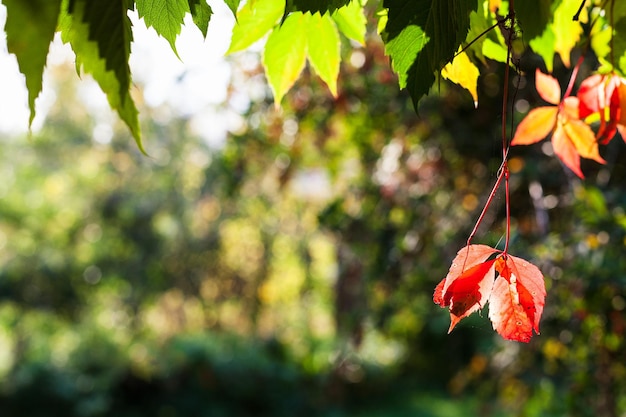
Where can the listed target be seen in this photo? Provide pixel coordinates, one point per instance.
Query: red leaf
(547, 87)
(467, 286)
(591, 95)
(604, 95)
(622, 104)
(517, 299)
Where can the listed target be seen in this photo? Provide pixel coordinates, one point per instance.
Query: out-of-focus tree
(321, 233)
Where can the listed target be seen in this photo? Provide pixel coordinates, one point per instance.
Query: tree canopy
(425, 39)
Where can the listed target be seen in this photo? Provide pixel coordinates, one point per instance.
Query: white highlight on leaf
(513, 288)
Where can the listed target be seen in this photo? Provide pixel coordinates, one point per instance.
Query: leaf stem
(503, 172)
(505, 143)
(487, 204)
(612, 56)
(572, 78)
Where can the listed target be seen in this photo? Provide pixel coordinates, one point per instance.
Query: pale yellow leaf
(463, 72)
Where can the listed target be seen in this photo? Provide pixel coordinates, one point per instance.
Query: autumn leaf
(603, 97)
(572, 138)
(517, 298)
(463, 72)
(467, 286)
(513, 287)
(548, 87)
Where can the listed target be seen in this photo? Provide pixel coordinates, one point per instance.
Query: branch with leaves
(426, 41)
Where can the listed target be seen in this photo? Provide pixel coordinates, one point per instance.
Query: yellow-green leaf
(351, 21)
(324, 48)
(254, 20)
(561, 35)
(285, 54)
(463, 72)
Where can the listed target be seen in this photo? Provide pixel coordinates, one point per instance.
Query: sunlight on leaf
(351, 21)
(548, 87)
(254, 20)
(285, 54)
(29, 40)
(537, 124)
(517, 299)
(107, 59)
(463, 72)
(324, 48)
(514, 288)
(165, 16)
(201, 13)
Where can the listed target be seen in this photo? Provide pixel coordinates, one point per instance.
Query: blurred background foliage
(290, 269)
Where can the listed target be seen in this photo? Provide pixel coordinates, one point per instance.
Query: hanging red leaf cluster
(600, 98)
(513, 287)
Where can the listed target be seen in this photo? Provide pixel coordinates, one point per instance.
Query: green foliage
(100, 35)
(201, 13)
(285, 54)
(165, 16)
(123, 278)
(30, 28)
(422, 36)
(254, 20)
(315, 6)
(233, 5)
(323, 49)
(351, 21)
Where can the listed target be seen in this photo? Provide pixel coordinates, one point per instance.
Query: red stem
(487, 204)
(503, 172)
(572, 77)
(505, 144)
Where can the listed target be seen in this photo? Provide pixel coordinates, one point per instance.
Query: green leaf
(254, 20)
(403, 50)
(30, 28)
(314, 6)
(494, 50)
(476, 34)
(201, 13)
(533, 17)
(615, 13)
(99, 32)
(324, 49)
(561, 35)
(544, 47)
(233, 5)
(351, 21)
(619, 45)
(285, 54)
(422, 36)
(165, 16)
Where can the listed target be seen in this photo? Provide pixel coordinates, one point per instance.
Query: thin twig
(580, 9)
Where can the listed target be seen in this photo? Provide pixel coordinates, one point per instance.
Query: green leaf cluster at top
(295, 37)
(421, 37)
